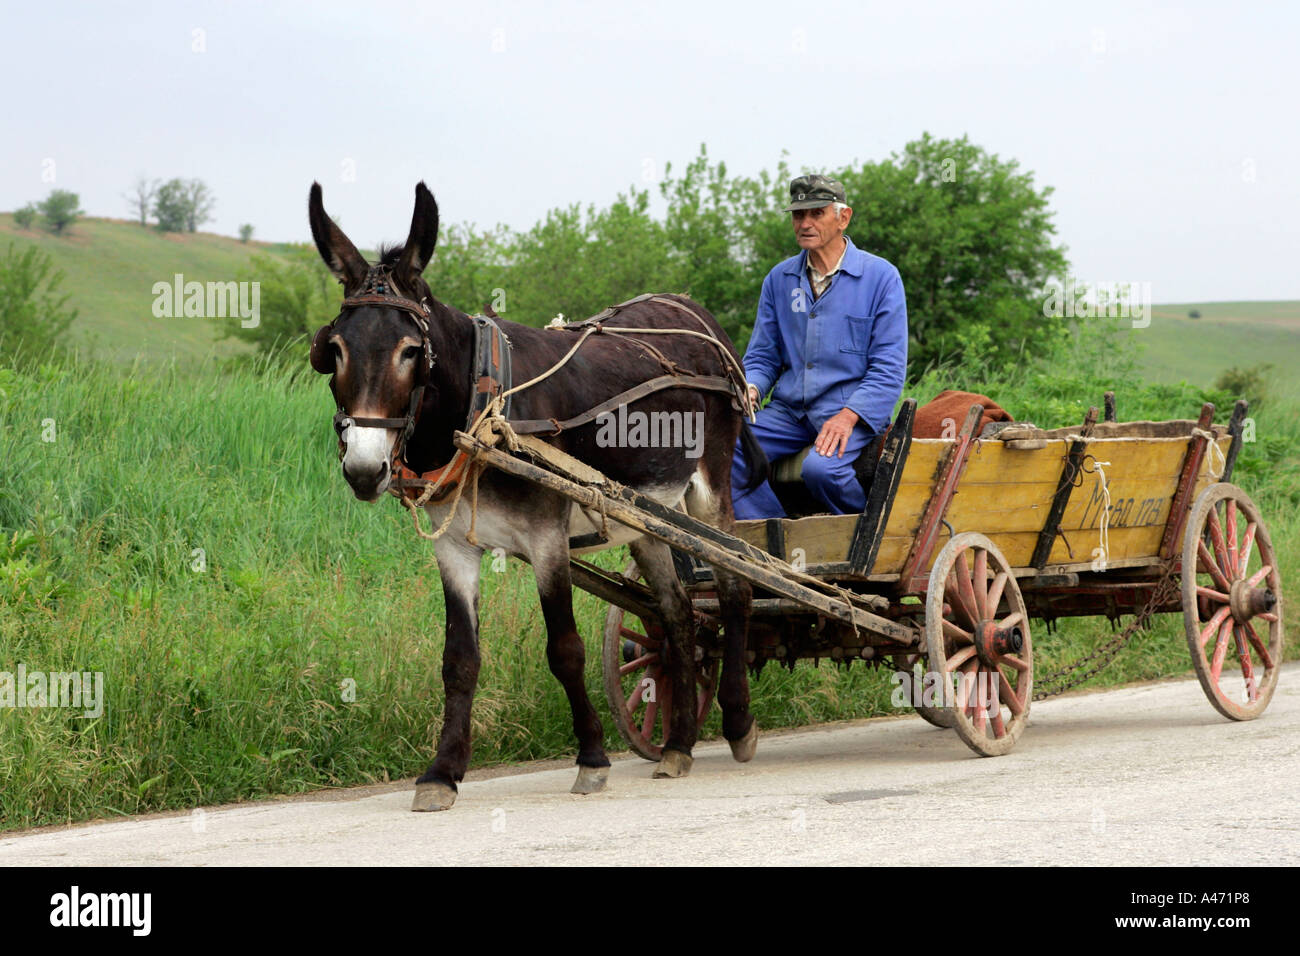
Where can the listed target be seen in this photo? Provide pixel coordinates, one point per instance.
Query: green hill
(1176, 347)
(111, 266)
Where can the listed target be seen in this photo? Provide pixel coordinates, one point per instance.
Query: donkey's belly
(586, 533)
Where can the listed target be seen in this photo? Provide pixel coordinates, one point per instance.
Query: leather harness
(490, 377)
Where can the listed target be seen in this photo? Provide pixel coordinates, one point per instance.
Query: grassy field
(110, 267)
(187, 533)
(184, 529)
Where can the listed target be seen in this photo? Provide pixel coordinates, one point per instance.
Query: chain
(1107, 652)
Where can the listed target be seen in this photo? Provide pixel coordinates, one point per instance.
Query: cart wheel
(913, 668)
(984, 660)
(1237, 587)
(638, 695)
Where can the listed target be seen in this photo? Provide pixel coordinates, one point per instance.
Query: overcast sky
(1169, 131)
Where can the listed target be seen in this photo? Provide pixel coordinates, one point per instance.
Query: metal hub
(993, 642)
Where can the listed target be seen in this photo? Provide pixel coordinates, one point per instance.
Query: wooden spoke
(642, 661)
(965, 593)
(995, 592)
(956, 633)
(1011, 620)
(1011, 697)
(1220, 549)
(1247, 541)
(1214, 623)
(1212, 594)
(981, 582)
(1017, 663)
(961, 657)
(1220, 650)
(1230, 508)
(1211, 568)
(1265, 657)
(644, 640)
(1260, 575)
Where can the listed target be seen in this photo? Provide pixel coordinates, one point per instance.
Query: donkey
(381, 351)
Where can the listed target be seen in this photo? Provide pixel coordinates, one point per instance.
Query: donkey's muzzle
(367, 482)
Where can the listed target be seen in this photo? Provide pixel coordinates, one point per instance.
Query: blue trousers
(782, 431)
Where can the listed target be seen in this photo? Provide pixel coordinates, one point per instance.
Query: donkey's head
(381, 348)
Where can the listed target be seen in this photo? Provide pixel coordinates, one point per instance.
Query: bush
(23, 218)
(245, 232)
(60, 209)
(33, 315)
(1248, 383)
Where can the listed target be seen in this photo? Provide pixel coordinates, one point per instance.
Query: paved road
(1147, 775)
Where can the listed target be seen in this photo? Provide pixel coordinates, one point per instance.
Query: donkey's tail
(755, 457)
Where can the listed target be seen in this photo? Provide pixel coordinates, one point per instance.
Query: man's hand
(834, 435)
(754, 397)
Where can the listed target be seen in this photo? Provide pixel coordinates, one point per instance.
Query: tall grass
(187, 533)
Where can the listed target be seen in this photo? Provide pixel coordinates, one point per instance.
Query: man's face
(814, 228)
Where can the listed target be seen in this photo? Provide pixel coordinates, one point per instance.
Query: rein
(492, 388)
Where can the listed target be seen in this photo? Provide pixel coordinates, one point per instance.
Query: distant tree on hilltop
(182, 205)
(60, 209)
(140, 198)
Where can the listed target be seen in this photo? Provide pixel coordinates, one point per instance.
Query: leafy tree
(23, 218)
(199, 204)
(245, 232)
(140, 197)
(171, 206)
(60, 209)
(296, 297)
(33, 314)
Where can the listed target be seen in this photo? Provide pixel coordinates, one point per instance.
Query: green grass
(110, 267)
(225, 676)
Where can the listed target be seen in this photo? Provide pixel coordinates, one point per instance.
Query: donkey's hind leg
(734, 600)
(655, 561)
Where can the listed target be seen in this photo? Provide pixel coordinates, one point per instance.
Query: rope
(1215, 450)
(1103, 538)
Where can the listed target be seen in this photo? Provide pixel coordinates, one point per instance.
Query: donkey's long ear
(424, 234)
(335, 248)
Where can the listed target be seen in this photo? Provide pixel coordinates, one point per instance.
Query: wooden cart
(962, 542)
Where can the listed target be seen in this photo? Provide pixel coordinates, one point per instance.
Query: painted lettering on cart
(1124, 512)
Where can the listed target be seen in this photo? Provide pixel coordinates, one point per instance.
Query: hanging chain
(1103, 655)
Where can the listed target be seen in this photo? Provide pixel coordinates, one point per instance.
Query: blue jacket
(847, 349)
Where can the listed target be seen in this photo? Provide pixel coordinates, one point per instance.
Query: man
(831, 336)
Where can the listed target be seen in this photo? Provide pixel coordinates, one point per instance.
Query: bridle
(490, 376)
(378, 290)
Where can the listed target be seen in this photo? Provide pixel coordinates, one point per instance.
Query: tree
(140, 197)
(60, 209)
(171, 205)
(245, 232)
(23, 218)
(199, 204)
(296, 297)
(33, 315)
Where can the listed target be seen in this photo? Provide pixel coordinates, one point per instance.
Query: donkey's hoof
(432, 796)
(591, 780)
(673, 763)
(743, 749)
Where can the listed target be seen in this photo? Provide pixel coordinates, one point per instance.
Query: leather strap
(708, 383)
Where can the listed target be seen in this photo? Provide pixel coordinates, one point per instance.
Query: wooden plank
(945, 487)
(1186, 484)
(884, 486)
(1235, 426)
(716, 547)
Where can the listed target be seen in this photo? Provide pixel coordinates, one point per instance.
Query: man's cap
(815, 191)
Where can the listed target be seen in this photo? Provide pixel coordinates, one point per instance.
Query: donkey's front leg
(458, 564)
(566, 656)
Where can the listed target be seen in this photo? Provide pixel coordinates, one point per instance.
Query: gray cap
(815, 191)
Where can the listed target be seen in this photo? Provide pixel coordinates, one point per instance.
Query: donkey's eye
(411, 353)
